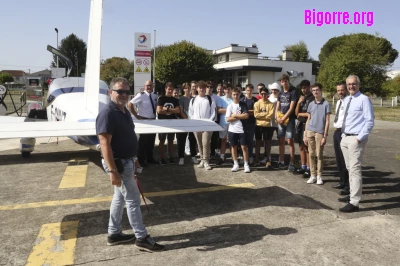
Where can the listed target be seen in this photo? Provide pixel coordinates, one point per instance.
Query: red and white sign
(146, 62)
(143, 53)
(138, 62)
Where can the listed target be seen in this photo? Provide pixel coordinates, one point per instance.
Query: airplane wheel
(25, 154)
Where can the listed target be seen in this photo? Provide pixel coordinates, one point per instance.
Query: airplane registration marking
(55, 244)
(108, 199)
(75, 174)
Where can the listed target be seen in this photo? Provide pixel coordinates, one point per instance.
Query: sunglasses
(127, 92)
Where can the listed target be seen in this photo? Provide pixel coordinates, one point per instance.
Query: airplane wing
(88, 128)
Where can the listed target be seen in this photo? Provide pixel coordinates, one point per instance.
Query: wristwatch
(113, 170)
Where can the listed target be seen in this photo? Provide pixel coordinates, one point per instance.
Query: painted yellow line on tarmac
(75, 174)
(107, 199)
(55, 244)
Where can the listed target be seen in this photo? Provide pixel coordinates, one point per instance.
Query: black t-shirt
(250, 106)
(165, 101)
(285, 98)
(304, 107)
(111, 120)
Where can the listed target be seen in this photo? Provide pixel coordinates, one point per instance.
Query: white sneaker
(247, 169)
(235, 168)
(181, 161)
(201, 164)
(194, 160)
(311, 180)
(207, 166)
(251, 160)
(319, 180)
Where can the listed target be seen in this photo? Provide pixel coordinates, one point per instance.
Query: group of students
(243, 117)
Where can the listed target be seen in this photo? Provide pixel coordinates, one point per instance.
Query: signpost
(142, 60)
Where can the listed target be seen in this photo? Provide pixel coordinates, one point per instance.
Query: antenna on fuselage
(56, 52)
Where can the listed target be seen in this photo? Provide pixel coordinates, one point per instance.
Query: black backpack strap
(209, 99)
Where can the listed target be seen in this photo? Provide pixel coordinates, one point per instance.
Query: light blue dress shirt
(360, 116)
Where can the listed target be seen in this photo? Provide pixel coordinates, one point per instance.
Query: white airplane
(73, 104)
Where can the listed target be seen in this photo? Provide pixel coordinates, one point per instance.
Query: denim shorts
(288, 130)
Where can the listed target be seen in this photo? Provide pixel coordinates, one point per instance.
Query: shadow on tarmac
(189, 207)
(223, 236)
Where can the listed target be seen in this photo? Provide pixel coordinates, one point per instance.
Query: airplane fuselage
(66, 102)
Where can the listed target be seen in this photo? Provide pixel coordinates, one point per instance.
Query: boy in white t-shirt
(237, 115)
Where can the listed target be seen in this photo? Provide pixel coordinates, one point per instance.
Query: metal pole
(57, 44)
(154, 60)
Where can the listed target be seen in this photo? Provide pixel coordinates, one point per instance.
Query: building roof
(14, 73)
(258, 68)
(45, 72)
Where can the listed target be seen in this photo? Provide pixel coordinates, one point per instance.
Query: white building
(393, 73)
(243, 65)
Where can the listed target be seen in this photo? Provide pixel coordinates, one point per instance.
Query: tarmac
(202, 217)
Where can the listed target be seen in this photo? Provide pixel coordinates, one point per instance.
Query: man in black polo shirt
(118, 143)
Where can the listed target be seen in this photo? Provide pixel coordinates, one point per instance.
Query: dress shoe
(344, 192)
(344, 199)
(338, 186)
(349, 208)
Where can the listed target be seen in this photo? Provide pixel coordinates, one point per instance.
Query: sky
(28, 26)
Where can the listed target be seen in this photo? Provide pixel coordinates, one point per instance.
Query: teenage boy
(302, 115)
(285, 117)
(215, 134)
(167, 108)
(249, 100)
(317, 128)
(236, 116)
(181, 137)
(222, 105)
(202, 107)
(264, 114)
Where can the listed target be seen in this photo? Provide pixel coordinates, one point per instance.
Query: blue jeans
(288, 130)
(128, 193)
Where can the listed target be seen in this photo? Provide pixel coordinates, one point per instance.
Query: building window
(228, 77)
(227, 58)
(242, 78)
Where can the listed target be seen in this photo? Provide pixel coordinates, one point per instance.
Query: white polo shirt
(143, 103)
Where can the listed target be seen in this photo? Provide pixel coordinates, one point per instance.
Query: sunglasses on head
(127, 92)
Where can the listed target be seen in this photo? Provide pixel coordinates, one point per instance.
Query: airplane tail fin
(92, 73)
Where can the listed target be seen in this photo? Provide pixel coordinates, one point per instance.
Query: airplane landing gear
(27, 145)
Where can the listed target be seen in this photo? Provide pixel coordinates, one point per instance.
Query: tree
(117, 67)
(336, 43)
(75, 49)
(5, 77)
(364, 55)
(392, 86)
(301, 54)
(182, 62)
(299, 51)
